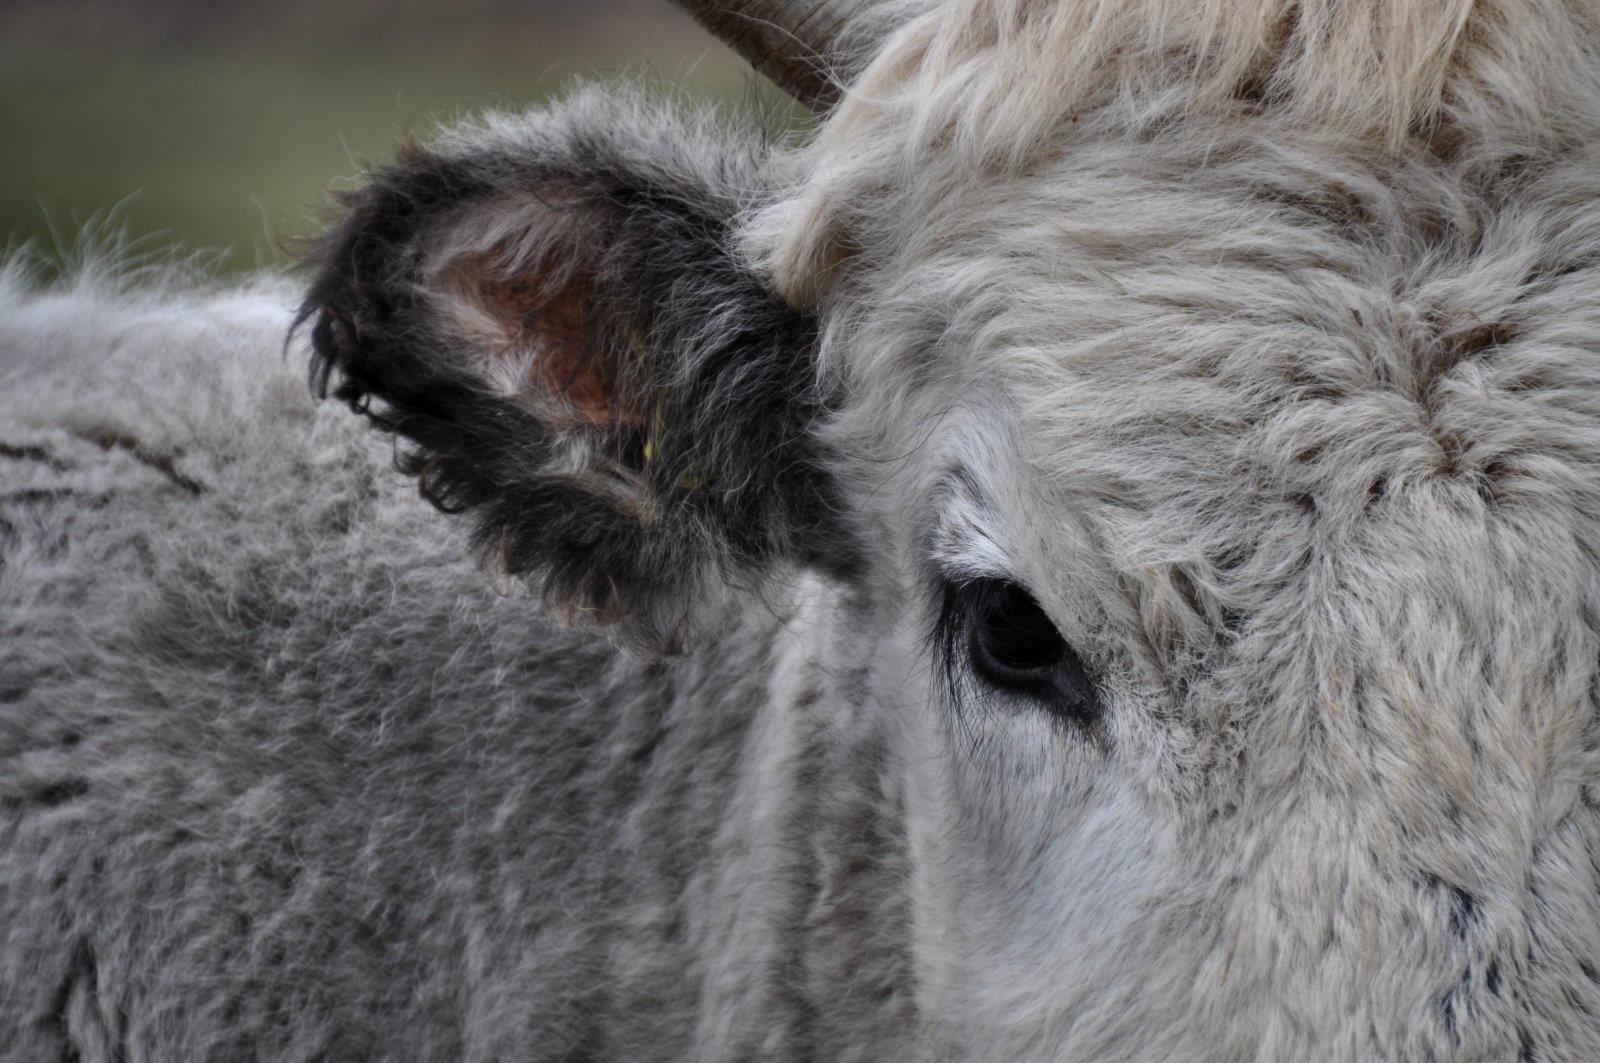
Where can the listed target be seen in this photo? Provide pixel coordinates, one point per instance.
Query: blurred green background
(221, 125)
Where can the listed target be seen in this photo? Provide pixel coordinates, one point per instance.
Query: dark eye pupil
(1012, 646)
(1015, 633)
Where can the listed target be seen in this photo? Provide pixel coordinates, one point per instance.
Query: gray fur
(1257, 343)
(283, 779)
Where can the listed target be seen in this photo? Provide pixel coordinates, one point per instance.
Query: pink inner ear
(571, 354)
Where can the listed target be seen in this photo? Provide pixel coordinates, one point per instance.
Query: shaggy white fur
(1269, 333)
(1170, 628)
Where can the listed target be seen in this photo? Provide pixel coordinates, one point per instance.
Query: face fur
(1289, 443)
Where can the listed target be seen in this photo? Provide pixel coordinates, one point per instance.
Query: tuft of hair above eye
(996, 632)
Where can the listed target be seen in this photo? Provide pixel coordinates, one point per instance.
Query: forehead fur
(982, 89)
(1265, 336)
(1228, 329)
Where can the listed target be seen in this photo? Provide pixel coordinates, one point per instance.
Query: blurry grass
(236, 152)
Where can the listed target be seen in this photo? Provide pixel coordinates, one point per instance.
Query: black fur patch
(717, 469)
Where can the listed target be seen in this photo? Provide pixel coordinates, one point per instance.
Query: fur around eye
(996, 632)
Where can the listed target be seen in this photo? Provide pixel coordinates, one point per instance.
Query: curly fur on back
(284, 779)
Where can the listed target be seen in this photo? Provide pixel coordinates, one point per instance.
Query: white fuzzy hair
(971, 88)
(1270, 333)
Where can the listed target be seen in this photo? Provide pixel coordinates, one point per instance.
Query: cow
(1091, 553)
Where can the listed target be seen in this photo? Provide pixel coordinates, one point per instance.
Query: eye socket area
(1009, 644)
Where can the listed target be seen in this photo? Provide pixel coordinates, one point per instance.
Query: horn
(796, 44)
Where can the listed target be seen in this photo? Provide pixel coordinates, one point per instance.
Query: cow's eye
(1007, 641)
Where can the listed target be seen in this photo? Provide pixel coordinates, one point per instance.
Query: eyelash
(995, 633)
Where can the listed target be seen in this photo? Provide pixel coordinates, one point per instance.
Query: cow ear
(549, 314)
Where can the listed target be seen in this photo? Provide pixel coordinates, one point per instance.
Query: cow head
(1199, 403)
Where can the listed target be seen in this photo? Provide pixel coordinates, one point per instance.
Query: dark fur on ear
(656, 442)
